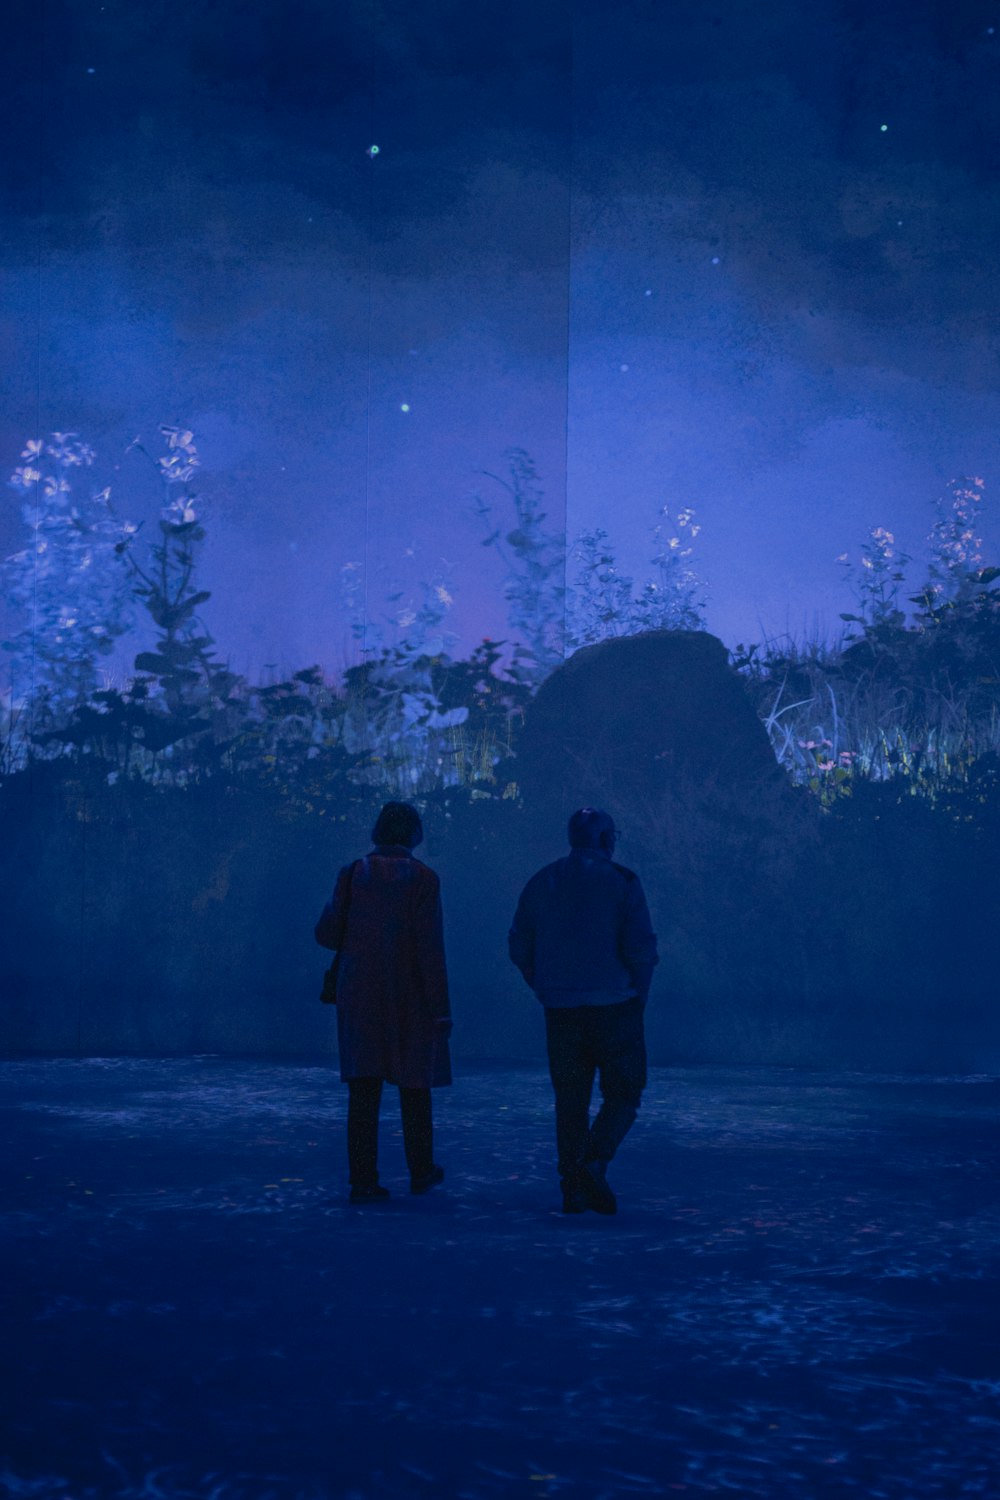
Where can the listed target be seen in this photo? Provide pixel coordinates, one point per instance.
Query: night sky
(733, 256)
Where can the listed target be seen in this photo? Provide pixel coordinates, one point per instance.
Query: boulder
(632, 718)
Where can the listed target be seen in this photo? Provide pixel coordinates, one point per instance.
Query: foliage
(68, 587)
(877, 584)
(535, 560)
(602, 601)
(909, 698)
(916, 699)
(183, 667)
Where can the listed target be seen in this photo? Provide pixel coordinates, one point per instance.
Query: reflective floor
(800, 1295)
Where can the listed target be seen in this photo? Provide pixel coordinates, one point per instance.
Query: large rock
(639, 716)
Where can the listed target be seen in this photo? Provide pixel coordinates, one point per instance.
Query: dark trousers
(585, 1041)
(365, 1097)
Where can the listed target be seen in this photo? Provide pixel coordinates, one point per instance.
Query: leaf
(150, 661)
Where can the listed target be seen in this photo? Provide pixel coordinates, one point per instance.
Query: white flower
(182, 512)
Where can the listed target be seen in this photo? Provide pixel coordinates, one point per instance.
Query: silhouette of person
(393, 1013)
(583, 940)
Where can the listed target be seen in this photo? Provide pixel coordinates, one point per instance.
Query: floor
(800, 1295)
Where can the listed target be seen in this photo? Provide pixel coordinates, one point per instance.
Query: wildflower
(33, 448)
(24, 476)
(443, 594)
(182, 511)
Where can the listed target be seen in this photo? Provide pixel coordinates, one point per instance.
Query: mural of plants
(911, 691)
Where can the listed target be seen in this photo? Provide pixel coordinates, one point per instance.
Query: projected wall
(361, 363)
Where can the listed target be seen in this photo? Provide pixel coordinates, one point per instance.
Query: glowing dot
(715, 260)
(883, 127)
(623, 368)
(990, 30)
(648, 292)
(372, 151)
(91, 70)
(899, 223)
(404, 406)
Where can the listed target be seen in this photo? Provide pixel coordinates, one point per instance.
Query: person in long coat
(393, 1011)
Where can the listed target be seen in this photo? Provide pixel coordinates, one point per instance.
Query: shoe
(594, 1186)
(428, 1180)
(574, 1199)
(371, 1192)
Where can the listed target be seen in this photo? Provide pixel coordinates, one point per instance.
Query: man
(583, 940)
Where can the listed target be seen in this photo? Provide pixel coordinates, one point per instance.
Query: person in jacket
(393, 1012)
(583, 941)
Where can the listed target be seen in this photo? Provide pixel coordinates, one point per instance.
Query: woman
(393, 1015)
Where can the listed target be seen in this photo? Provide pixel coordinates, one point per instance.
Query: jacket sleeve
(329, 930)
(429, 939)
(638, 940)
(521, 937)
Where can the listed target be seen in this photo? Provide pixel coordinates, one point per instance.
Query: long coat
(384, 918)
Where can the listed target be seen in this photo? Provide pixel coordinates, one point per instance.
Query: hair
(398, 823)
(589, 828)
